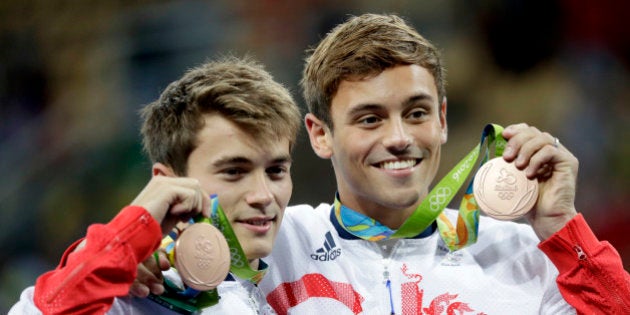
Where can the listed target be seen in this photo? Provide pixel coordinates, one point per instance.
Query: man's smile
(399, 164)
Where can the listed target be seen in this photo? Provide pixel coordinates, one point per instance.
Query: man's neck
(254, 263)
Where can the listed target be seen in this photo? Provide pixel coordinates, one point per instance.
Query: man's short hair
(364, 46)
(240, 90)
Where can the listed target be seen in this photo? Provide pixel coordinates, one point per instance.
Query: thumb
(163, 262)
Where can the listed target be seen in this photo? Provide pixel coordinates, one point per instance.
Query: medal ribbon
(431, 208)
(188, 301)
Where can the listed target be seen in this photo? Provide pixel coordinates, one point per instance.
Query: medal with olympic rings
(201, 256)
(504, 192)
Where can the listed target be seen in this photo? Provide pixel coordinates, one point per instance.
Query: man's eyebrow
(282, 159)
(230, 160)
(414, 99)
(368, 107)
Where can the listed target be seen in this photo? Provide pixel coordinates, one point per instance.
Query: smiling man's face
(252, 180)
(385, 145)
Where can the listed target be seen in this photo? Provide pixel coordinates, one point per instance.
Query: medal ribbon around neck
(189, 300)
(431, 208)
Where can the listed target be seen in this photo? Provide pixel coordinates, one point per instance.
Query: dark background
(73, 75)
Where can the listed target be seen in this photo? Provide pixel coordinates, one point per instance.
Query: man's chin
(260, 251)
(402, 200)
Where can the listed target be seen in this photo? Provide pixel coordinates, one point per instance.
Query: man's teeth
(397, 165)
(257, 222)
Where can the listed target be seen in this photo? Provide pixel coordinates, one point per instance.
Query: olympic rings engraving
(506, 195)
(437, 200)
(237, 260)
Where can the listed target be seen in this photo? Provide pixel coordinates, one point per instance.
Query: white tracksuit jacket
(325, 270)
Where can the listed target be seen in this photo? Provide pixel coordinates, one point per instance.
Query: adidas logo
(329, 251)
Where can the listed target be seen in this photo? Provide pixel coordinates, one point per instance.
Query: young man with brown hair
(224, 128)
(375, 91)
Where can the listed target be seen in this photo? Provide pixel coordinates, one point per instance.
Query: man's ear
(443, 124)
(319, 135)
(162, 170)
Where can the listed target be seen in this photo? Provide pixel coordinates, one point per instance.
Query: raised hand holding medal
(541, 156)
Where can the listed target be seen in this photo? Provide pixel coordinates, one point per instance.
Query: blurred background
(73, 75)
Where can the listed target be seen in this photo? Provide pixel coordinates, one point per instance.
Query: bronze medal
(202, 256)
(504, 192)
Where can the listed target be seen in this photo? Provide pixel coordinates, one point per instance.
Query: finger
(157, 288)
(149, 275)
(511, 130)
(514, 128)
(190, 205)
(206, 205)
(535, 143)
(523, 142)
(544, 172)
(138, 289)
(515, 136)
(541, 165)
(152, 265)
(162, 193)
(163, 262)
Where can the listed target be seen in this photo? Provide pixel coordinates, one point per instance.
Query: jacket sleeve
(591, 275)
(87, 280)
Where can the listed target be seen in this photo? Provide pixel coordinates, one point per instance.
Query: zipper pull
(581, 255)
(385, 263)
(391, 298)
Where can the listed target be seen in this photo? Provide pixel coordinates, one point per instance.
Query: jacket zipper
(583, 259)
(388, 284)
(88, 264)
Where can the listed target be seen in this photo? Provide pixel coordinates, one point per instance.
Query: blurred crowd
(73, 75)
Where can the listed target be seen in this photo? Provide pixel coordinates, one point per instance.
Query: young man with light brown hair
(225, 128)
(375, 91)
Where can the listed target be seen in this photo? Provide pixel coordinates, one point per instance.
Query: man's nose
(260, 195)
(398, 136)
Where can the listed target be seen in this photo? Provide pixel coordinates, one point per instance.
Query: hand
(173, 199)
(556, 169)
(149, 277)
